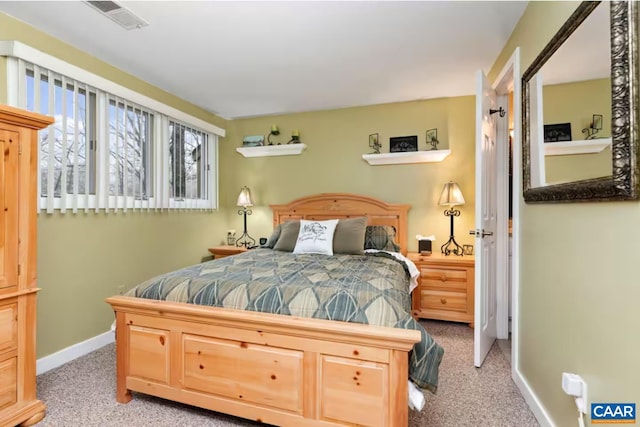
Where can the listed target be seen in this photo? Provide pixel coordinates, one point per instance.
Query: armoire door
(9, 141)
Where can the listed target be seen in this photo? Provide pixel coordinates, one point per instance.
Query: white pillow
(315, 237)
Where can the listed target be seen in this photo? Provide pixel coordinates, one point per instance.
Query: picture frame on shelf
(558, 132)
(594, 127)
(432, 138)
(596, 122)
(374, 142)
(400, 144)
(253, 141)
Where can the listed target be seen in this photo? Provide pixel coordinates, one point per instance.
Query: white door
(486, 220)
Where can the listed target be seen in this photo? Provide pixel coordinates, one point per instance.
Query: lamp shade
(244, 198)
(451, 195)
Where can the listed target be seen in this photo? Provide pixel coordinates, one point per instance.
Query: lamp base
(245, 240)
(452, 247)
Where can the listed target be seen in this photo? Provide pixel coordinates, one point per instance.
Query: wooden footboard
(274, 369)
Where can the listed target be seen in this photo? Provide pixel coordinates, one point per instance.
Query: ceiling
(243, 59)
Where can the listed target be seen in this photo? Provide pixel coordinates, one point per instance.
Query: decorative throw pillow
(288, 236)
(381, 237)
(349, 236)
(315, 237)
(271, 241)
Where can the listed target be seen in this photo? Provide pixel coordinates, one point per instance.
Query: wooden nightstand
(445, 287)
(224, 251)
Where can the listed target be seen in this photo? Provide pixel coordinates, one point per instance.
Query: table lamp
(451, 196)
(245, 201)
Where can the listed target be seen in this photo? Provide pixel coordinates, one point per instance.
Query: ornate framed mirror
(615, 171)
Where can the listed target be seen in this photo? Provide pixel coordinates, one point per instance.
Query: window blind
(107, 153)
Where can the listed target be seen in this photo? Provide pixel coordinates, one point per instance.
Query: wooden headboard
(344, 205)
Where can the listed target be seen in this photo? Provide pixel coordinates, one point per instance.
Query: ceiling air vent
(120, 15)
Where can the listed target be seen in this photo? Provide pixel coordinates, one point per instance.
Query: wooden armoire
(18, 198)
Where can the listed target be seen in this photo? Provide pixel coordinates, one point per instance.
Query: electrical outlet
(121, 290)
(575, 386)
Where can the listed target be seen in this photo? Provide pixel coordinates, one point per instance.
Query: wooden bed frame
(271, 368)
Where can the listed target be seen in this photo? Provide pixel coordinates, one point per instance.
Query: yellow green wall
(576, 103)
(84, 258)
(332, 162)
(579, 288)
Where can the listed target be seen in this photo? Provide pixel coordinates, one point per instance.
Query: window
(130, 136)
(63, 146)
(111, 148)
(187, 162)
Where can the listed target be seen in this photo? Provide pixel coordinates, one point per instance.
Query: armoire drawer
(8, 379)
(8, 327)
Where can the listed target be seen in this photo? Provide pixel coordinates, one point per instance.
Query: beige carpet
(81, 393)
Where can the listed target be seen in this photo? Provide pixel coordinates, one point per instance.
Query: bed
(287, 370)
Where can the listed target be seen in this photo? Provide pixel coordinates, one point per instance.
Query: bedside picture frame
(231, 237)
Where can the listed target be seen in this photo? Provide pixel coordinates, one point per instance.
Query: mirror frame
(623, 184)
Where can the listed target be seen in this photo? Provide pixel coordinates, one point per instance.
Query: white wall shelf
(431, 156)
(271, 150)
(565, 148)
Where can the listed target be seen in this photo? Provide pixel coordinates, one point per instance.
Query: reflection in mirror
(579, 124)
(576, 85)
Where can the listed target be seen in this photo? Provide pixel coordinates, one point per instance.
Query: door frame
(511, 71)
(509, 80)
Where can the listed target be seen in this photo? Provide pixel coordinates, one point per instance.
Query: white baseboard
(72, 352)
(532, 400)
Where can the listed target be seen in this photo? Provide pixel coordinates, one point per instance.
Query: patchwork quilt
(371, 289)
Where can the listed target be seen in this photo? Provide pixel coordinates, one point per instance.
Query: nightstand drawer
(443, 278)
(227, 250)
(440, 300)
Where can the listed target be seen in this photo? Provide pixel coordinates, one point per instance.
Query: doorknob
(480, 233)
